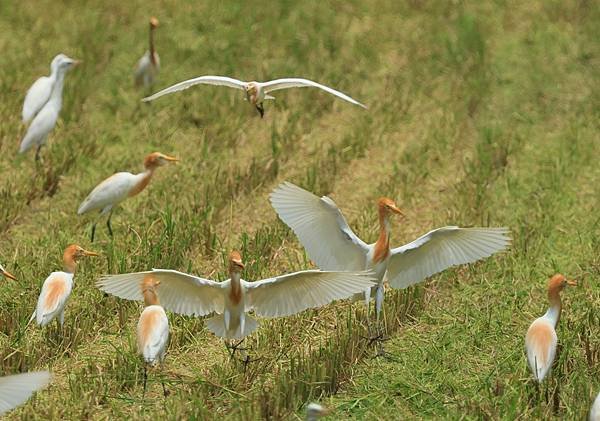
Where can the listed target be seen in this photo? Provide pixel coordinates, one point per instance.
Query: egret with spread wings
(232, 299)
(256, 92)
(332, 245)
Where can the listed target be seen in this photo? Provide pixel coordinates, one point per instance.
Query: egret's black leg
(93, 231)
(37, 153)
(110, 231)
(261, 109)
(145, 379)
(165, 390)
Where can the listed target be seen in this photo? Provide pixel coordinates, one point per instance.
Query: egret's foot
(232, 348)
(166, 391)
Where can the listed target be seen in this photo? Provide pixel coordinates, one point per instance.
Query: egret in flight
(119, 187)
(256, 92)
(6, 273)
(152, 328)
(232, 299)
(43, 103)
(149, 65)
(541, 339)
(16, 389)
(57, 288)
(331, 243)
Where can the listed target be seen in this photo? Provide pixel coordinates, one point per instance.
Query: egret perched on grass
(152, 328)
(149, 65)
(119, 187)
(595, 411)
(256, 92)
(16, 389)
(57, 288)
(331, 243)
(279, 296)
(43, 103)
(6, 273)
(541, 339)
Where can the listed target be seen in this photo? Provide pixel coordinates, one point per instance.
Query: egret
(119, 187)
(16, 389)
(314, 411)
(43, 103)
(149, 65)
(331, 243)
(595, 411)
(57, 288)
(541, 339)
(152, 328)
(279, 296)
(256, 92)
(6, 273)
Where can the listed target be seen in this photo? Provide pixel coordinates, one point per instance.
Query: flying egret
(149, 65)
(256, 92)
(119, 187)
(16, 389)
(279, 296)
(314, 411)
(57, 288)
(595, 411)
(152, 328)
(331, 243)
(6, 273)
(541, 339)
(43, 103)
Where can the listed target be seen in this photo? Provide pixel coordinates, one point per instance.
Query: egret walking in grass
(6, 273)
(279, 296)
(256, 92)
(152, 328)
(331, 243)
(595, 411)
(43, 103)
(149, 65)
(119, 187)
(16, 389)
(541, 339)
(57, 288)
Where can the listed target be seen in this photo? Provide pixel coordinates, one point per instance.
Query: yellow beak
(90, 253)
(170, 158)
(9, 275)
(572, 283)
(397, 210)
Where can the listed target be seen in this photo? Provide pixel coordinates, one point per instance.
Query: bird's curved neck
(70, 264)
(152, 50)
(235, 294)
(382, 246)
(57, 87)
(150, 297)
(142, 183)
(555, 308)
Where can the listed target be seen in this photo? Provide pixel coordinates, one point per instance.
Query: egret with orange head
(149, 65)
(119, 187)
(541, 339)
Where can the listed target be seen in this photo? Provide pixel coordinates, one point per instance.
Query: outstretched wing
(205, 80)
(14, 390)
(178, 292)
(321, 228)
(440, 249)
(277, 84)
(292, 293)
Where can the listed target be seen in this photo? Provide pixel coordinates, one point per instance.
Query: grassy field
(480, 113)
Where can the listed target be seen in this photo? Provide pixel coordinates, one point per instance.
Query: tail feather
(216, 325)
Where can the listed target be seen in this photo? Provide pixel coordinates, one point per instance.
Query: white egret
(57, 288)
(6, 273)
(541, 339)
(314, 411)
(152, 328)
(149, 65)
(256, 92)
(595, 411)
(279, 296)
(119, 187)
(332, 245)
(43, 103)
(16, 389)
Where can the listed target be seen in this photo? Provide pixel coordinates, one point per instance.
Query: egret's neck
(150, 297)
(235, 294)
(382, 246)
(143, 181)
(152, 50)
(70, 264)
(555, 308)
(57, 88)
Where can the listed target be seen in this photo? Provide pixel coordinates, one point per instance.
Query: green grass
(480, 113)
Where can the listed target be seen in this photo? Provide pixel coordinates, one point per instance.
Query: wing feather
(295, 292)
(286, 83)
(36, 97)
(179, 292)
(16, 389)
(206, 80)
(321, 228)
(442, 248)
